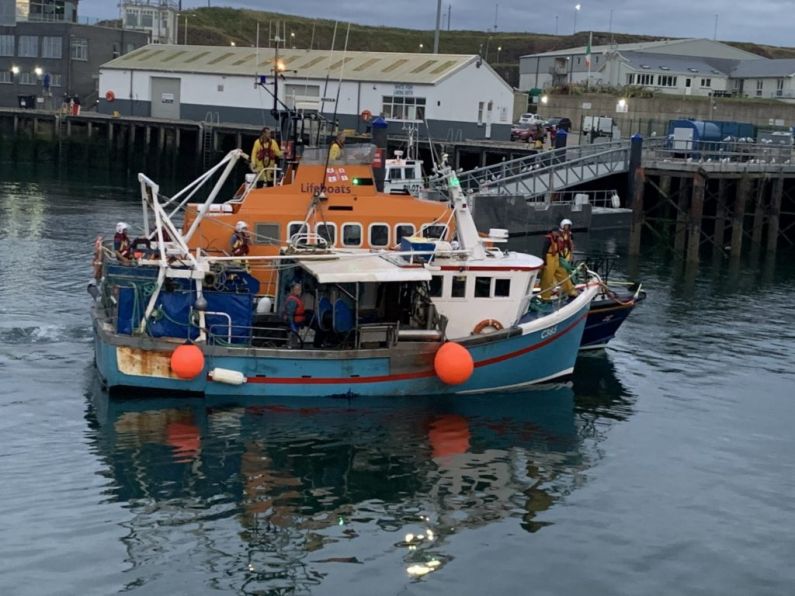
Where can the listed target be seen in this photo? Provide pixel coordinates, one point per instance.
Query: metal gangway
(540, 174)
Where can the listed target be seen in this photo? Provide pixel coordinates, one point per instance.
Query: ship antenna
(325, 85)
(337, 102)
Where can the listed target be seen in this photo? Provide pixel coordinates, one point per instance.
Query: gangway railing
(550, 171)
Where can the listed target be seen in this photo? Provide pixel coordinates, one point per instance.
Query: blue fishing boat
(450, 318)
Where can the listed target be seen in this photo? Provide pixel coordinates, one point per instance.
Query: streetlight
(15, 70)
(232, 43)
(292, 38)
(577, 8)
(499, 49)
(544, 99)
(421, 46)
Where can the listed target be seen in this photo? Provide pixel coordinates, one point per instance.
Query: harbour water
(664, 467)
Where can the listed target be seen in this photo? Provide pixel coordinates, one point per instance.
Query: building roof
(650, 46)
(764, 68)
(642, 61)
(311, 64)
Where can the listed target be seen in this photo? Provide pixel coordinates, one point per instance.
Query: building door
(165, 98)
(687, 86)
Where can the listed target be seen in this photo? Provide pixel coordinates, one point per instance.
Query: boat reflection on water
(273, 492)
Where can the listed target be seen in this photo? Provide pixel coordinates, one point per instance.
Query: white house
(156, 17)
(677, 66)
(459, 96)
(765, 78)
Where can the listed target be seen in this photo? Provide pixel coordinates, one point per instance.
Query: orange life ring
(367, 115)
(110, 96)
(487, 323)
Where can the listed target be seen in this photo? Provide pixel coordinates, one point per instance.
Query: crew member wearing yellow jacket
(263, 157)
(556, 246)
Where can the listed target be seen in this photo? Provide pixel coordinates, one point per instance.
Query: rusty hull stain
(146, 363)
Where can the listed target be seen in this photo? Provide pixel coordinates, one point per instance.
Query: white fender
(230, 377)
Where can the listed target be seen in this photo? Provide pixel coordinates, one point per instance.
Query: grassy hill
(222, 26)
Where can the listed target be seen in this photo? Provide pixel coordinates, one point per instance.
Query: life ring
(98, 258)
(367, 115)
(110, 96)
(487, 323)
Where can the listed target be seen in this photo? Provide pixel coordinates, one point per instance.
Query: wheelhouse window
(502, 288)
(437, 231)
(436, 285)
(352, 234)
(395, 174)
(379, 235)
(267, 233)
(296, 228)
(403, 231)
(459, 286)
(327, 232)
(482, 287)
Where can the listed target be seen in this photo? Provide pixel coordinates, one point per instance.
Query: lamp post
(421, 46)
(292, 38)
(15, 76)
(577, 8)
(499, 51)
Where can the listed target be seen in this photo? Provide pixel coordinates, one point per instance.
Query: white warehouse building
(459, 96)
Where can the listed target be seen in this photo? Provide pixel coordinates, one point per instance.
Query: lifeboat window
(267, 233)
(402, 231)
(328, 232)
(395, 174)
(379, 235)
(459, 286)
(482, 287)
(437, 283)
(352, 234)
(434, 231)
(502, 287)
(296, 227)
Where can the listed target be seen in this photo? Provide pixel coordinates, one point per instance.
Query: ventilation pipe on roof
(438, 24)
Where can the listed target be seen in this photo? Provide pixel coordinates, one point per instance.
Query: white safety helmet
(240, 226)
(121, 227)
(564, 223)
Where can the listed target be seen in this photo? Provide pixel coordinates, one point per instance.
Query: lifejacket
(299, 315)
(554, 244)
(239, 245)
(121, 244)
(266, 154)
(565, 245)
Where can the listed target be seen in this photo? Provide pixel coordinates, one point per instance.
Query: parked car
(558, 123)
(526, 131)
(530, 118)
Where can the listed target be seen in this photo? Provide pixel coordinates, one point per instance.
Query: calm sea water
(665, 467)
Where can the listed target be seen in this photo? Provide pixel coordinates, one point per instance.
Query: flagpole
(588, 58)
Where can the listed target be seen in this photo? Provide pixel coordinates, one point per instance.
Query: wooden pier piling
(680, 233)
(637, 213)
(719, 232)
(738, 217)
(775, 214)
(696, 213)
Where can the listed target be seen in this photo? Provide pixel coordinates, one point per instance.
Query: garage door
(165, 98)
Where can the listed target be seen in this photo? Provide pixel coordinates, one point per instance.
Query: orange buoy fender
(453, 364)
(366, 115)
(187, 361)
(487, 323)
(110, 96)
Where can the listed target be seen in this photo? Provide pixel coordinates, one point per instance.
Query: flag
(588, 51)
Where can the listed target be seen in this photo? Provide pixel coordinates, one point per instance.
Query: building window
(379, 235)
(437, 283)
(28, 78)
(28, 46)
(502, 288)
(79, 49)
(481, 106)
(631, 79)
(759, 84)
(130, 47)
(666, 81)
(6, 45)
(131, 18)
(51, 47)
(352, 234)
(779, 87)
(56, 80)
(482, 287)
(706, 82)
(404, 108)
(266, 233)
(5, 76)
(645, 79)
(148, 19)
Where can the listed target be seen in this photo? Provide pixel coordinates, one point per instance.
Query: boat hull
(517, 357)
(605, 317)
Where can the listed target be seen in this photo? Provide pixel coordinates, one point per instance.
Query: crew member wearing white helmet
(240, 240)
(557, 247)
(121, 243)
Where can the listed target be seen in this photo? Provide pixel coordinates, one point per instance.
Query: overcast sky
(761, 21)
